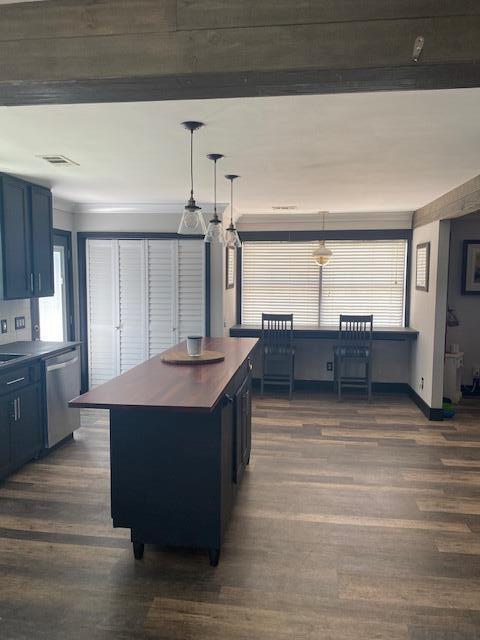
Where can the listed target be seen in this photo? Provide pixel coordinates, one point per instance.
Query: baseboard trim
(328, 385)
(436, 415)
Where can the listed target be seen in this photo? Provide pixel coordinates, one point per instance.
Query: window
(363, 276)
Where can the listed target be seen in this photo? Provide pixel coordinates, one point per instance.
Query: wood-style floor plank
(355, 521)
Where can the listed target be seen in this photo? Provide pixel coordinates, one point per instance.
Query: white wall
(391, 360)
(467, 308)
(428, 314)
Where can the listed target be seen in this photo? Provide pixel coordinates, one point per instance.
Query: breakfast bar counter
(180, 438)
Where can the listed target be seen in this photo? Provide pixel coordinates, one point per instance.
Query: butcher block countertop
(156, 384)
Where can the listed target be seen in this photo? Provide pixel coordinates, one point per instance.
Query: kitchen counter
(180, 438)
(32, 350)
(157, 384)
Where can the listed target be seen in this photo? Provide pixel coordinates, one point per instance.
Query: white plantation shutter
(131, 261)
(362, 277)
(365, 277)
(143, 297)
(102, 314)
(161, 261)
(280, 277)
(191, 288)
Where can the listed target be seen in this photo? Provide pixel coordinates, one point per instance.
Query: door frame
(64, 238)
(82, 238)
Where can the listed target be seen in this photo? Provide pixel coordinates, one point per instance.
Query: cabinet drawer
(18, 378)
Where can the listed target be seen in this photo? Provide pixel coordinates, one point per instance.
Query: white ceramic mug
(194, 346)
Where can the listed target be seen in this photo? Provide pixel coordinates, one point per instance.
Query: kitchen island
(180, 438)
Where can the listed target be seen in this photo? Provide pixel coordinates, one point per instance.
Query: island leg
(214, 555)
(138, 549)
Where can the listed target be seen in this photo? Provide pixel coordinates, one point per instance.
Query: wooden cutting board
(182, 357)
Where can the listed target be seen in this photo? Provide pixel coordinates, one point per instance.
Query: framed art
(423, 266)
(230, 268)
(471, 268)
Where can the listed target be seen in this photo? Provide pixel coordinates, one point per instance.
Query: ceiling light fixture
(215, 229)
(232, 239)
(192, 221)
(323, 254)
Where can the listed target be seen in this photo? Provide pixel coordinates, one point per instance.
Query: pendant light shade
(323, 254)
(232, 239)
(192, 222)
(215, 230)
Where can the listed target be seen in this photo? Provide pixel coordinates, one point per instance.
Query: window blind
(362, 277)
(365, 277)
(280, 277)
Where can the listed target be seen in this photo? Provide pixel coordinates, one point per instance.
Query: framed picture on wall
(423, 266)
(230, 268)
(471, 267)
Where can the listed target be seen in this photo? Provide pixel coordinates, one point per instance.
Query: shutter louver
(101, 302)
(161, 295)
(131, 260)
(191, 288)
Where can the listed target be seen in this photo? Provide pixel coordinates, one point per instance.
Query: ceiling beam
(62, 51)
(458, 202)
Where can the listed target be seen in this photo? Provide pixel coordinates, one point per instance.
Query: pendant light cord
(231, 203)
(215, 188)
(191, 161)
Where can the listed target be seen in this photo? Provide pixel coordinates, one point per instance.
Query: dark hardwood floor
(355, 521)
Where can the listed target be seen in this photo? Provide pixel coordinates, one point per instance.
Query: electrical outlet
(19, 323)
(329, 366)
(422, 382)
(4, 326)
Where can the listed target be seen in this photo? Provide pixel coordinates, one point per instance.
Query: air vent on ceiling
(59, 161)
(287, 207)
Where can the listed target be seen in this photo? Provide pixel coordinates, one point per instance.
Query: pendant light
(192, 222)
(215, 229)
(232, 239)
(323, 254)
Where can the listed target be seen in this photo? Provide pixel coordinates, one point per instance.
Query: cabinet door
(247, 432)
(42, 241)
(15, 231)
(242, 429)
(25, 429)
(6, 414)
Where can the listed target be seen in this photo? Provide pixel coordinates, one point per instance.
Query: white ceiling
(349, 152)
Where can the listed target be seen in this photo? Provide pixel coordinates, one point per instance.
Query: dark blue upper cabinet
(16, 263)
(42, 241)
(26, 260)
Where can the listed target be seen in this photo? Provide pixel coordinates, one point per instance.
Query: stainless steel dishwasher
(62, 378)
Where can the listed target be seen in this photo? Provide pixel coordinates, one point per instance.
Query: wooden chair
(354, 348)
(278, 352)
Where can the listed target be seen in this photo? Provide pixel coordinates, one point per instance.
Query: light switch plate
(19, 323)
(4, 326)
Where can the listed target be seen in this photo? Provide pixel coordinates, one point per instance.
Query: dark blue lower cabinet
(174, 473)
(20, 418)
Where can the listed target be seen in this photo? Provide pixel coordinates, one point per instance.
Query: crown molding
(60, 204)
(333, 221)
(153, 208)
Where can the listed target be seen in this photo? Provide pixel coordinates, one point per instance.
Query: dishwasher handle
(61, 365)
